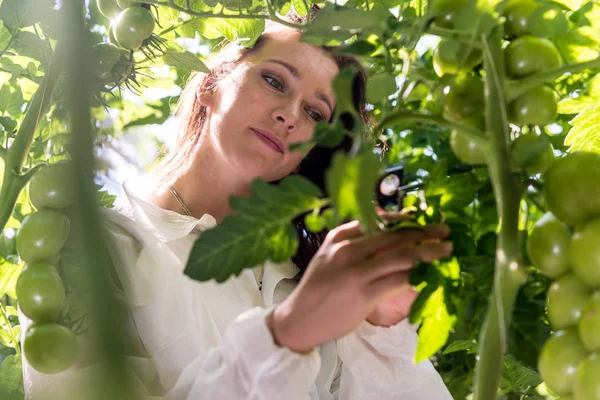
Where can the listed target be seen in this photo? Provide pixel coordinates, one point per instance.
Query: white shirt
(205, 340)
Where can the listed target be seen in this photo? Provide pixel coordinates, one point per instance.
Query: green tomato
(585, 253)
(453, 58)
(587, 384)
(567, 297)
(548, 246)
(517, 14)
(528, 55)
(445, 11)
(558, 360)
(50, 348)
(572, 187)
(41, 293)
(108, 8)
(589, 324)
(536, 107)
(381, 86)
(466, 150)
(314, 222)
(532, 153)
(106, 56)
(52, 186)
(465, 98)
(133, 26)
(42, 235)
(548, 21)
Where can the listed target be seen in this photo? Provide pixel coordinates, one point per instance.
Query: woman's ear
(206, 92)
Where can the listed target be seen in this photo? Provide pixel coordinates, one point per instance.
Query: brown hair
(192, 116)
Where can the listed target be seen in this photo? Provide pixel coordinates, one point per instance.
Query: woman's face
(282, 90)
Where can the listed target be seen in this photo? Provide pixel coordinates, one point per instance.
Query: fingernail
(439, 228)
(447, 247)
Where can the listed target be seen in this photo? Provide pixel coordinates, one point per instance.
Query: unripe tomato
(548, 246)
(452, 57)
(108, 8)
(589, 324)
(41, 293)
(466, 150)
(133, 26)
(532, 153)
(587, 384)
(567, 297)
(529, 55)
(536, 107)
(106, 56)
(42, 235)
(50, 348)
(128, 3)
(572, 187)
(585, 253)
(465, 98)
(559, 359)
(52, 187)
(445, 11)
(517, 13)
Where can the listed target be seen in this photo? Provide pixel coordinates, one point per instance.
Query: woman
(340, 333)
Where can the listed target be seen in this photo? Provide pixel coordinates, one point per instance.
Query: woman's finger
(404, 258)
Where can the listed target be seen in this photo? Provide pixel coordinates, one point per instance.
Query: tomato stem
(509, 274)
(514, 89)
(11, 332)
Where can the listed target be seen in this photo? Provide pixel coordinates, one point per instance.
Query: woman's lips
(267, 141)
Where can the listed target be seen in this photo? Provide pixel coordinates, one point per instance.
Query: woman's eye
(274, 82)
(315, 115)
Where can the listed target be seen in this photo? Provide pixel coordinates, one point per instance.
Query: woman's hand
(349, 276)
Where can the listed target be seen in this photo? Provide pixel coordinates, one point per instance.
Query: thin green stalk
(516, 88)
(89, 239)
(14, 157)
(11, 332)
(397, 117)
(509, 274)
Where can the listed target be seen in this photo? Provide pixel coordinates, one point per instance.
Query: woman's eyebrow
(294, 71)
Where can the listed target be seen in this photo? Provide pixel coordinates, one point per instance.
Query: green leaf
(9, 273)
(579, 45)
(462, 345)
(22, 13)
(576, 105)
(300, 7)
(11, 99)
(244, 31)
(359, 48)
(517, 378)
(11, 375)
(436, 326)
(584, 134)
(456, 191)
(350, 182)
(30, 45)
(184, 60)
(260, 230)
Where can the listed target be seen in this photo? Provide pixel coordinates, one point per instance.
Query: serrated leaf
(351, 182)
(184, 60)
(260, 230)
(30, 45)
(456, 190)
(576, 105)
(244, 31)
(11, 99)
(461, 345)
(579, 45)
(9, 273)
(300, 7)
(584, 134)
(22, 13)
(436, 326)
(517, 378)
(11, 375)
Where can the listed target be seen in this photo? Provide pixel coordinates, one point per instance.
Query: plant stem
(470, 132)
(516, 88)
(509, 275)
(11, 331)
(14, 157)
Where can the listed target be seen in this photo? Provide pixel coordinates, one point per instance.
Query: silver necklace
(181, 203)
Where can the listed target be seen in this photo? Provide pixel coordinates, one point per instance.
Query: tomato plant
(590, 323)
(587, 385)
(495, 124)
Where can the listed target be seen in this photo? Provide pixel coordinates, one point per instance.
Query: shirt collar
(168, 225)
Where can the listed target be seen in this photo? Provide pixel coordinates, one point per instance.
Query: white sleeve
(248, 365)
(378, 362)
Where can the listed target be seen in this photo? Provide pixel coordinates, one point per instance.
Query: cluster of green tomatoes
(525, 54)
(565, 246)
(50, 346)
(131, 29)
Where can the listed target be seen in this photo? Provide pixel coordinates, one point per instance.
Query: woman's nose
(287, 116)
